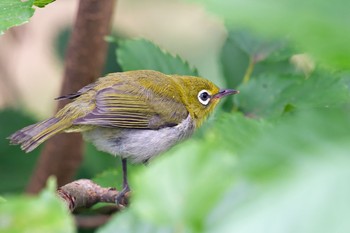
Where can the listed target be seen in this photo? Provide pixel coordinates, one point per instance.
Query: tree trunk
(85, 57)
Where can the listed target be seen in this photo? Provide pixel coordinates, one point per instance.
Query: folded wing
(133, 107)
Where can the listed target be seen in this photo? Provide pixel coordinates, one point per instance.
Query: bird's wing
(133, 109)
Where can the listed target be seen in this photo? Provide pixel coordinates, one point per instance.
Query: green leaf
(42, 3)
(14, 13)
(181, 189)
(268, 95)
(313, 199)
(255, 47)
(234, 131)
(234, 62)
(294, 178)
(318, 26)
(45, 213)
(298, 136)
(242, 47)
(129, 222)
(258, 97)
(245, 55)
(144, 55)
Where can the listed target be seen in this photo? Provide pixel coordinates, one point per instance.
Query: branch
(84, 193)
(62, 154)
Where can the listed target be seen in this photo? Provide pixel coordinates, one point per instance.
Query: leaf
(144, 55)
(128, 222)
(44, 213)
(255, 47)
(234, 62)
(320, 90)
(14, 13)
(268, 95)
(294, 177)
(246, 55)
(234, 131)
(177, 190)
(313, 199)
(258, 97)
(318, 26)
(42, 3)
(241, 46)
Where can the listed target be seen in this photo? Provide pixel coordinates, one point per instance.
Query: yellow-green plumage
(127, 104)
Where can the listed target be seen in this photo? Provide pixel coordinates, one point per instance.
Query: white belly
(136, 144)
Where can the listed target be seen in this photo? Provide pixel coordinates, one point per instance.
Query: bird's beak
(225, 92)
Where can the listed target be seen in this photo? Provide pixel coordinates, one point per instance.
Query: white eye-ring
(204, 97)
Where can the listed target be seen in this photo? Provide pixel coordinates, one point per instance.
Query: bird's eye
(204, 97)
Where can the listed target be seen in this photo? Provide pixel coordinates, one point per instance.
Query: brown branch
(62, 155)
(85, 193)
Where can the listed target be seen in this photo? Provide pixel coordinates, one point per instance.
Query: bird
(135, 115)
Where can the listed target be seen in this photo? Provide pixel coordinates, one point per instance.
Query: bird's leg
(120, 198)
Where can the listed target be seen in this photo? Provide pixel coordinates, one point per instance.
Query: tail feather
(32, 136)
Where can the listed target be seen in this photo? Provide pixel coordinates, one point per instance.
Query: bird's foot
(122, 199)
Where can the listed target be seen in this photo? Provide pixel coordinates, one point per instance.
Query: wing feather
(133, 109)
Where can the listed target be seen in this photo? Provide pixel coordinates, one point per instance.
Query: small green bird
(135, 115)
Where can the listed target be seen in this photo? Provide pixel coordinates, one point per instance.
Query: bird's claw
(122, 199)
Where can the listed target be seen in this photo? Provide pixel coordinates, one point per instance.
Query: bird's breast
(139, 145)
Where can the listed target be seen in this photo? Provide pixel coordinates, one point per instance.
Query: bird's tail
(32, 136)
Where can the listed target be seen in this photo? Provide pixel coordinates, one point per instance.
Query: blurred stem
(249, 70)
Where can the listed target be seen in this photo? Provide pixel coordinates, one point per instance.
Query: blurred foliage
(275, 158)
(44, 213)
(319, 26)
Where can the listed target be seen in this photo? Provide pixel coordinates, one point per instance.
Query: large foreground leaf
(45, 213)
